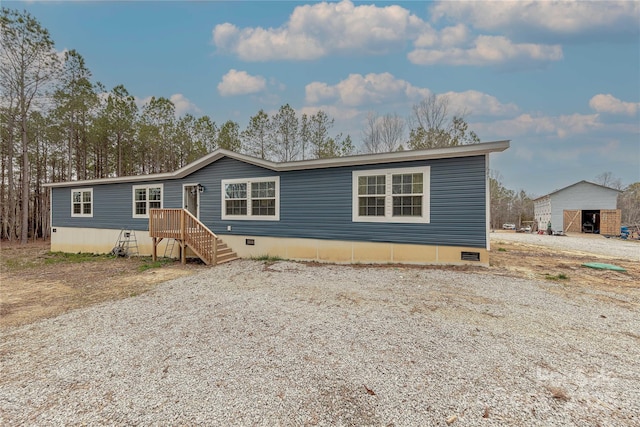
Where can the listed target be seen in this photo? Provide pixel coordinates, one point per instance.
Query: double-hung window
(146, 197)
(391, 195)
(253, 198)
(82, 202)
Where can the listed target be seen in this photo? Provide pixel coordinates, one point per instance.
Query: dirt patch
(34, 284)
(565, 267)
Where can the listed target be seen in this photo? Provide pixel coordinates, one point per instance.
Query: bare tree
(431, 113)
(371, 134)
(432, 126)
(383, 134)
(391, 131)
(629, 204)
(608, 179)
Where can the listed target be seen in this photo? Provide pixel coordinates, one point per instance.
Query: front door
(191, 199)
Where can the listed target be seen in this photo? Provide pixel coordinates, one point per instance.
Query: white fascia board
(135, 178)
(397, 156)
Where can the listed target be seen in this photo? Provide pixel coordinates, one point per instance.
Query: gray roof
(363, 159)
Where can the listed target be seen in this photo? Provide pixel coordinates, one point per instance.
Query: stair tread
(228, 255)
(204, 244)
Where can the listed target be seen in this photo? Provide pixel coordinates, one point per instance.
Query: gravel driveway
(592, 244)
(292, 344)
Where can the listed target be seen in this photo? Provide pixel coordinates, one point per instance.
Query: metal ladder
(168, 249)
(127, 244)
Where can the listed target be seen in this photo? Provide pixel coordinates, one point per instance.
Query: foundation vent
(470, 256)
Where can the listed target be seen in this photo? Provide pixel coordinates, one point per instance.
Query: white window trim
(184, 201)
(388, 202)
(81, 215)
(133, 198)
(248, 216)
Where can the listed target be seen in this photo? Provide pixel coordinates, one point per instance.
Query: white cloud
(357, 90)
(477, 103)
(317, 30)
(487, 50)
(180, 102)
(183, 105)
(577, 124)
(314, 31)
(225, 35)
(559, 17)
(240, 83)
(61, 55)
(141, 102)
(526, 124)
(612, 105)
(448, 36)
(375, 89)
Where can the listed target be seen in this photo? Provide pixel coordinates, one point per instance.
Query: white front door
(191, 199)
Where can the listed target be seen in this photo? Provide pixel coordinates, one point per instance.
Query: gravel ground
(292, 344)
(593, 244)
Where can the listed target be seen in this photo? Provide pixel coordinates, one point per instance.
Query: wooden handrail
(181, 225)
(199, 238)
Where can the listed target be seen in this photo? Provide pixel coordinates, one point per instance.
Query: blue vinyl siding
(313, 204)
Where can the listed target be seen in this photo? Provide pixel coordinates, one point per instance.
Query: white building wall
(542, 212)
(582, 196)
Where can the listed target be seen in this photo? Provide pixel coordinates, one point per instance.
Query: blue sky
(561, 80)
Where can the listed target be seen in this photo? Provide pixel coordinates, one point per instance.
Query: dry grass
(36, 284)
(537, 262)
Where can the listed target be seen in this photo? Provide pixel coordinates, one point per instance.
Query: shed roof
(362, 159)
(577, 183)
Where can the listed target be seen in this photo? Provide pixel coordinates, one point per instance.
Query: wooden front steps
(189, 232)
(224, 253)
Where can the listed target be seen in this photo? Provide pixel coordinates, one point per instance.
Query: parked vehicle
(508, 226)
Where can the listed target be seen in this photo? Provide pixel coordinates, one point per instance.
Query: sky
(560, 80)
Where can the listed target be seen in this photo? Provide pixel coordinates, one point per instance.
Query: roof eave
(397, 156)
(363, 159)
(134, 178)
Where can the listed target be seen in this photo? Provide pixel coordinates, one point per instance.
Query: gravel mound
(595, 244)
(291, 344)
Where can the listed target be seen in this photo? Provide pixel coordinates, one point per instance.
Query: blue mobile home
(423, 206)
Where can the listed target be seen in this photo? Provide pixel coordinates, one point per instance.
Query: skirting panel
(101, 241)
(93, 240)
(348, 252)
